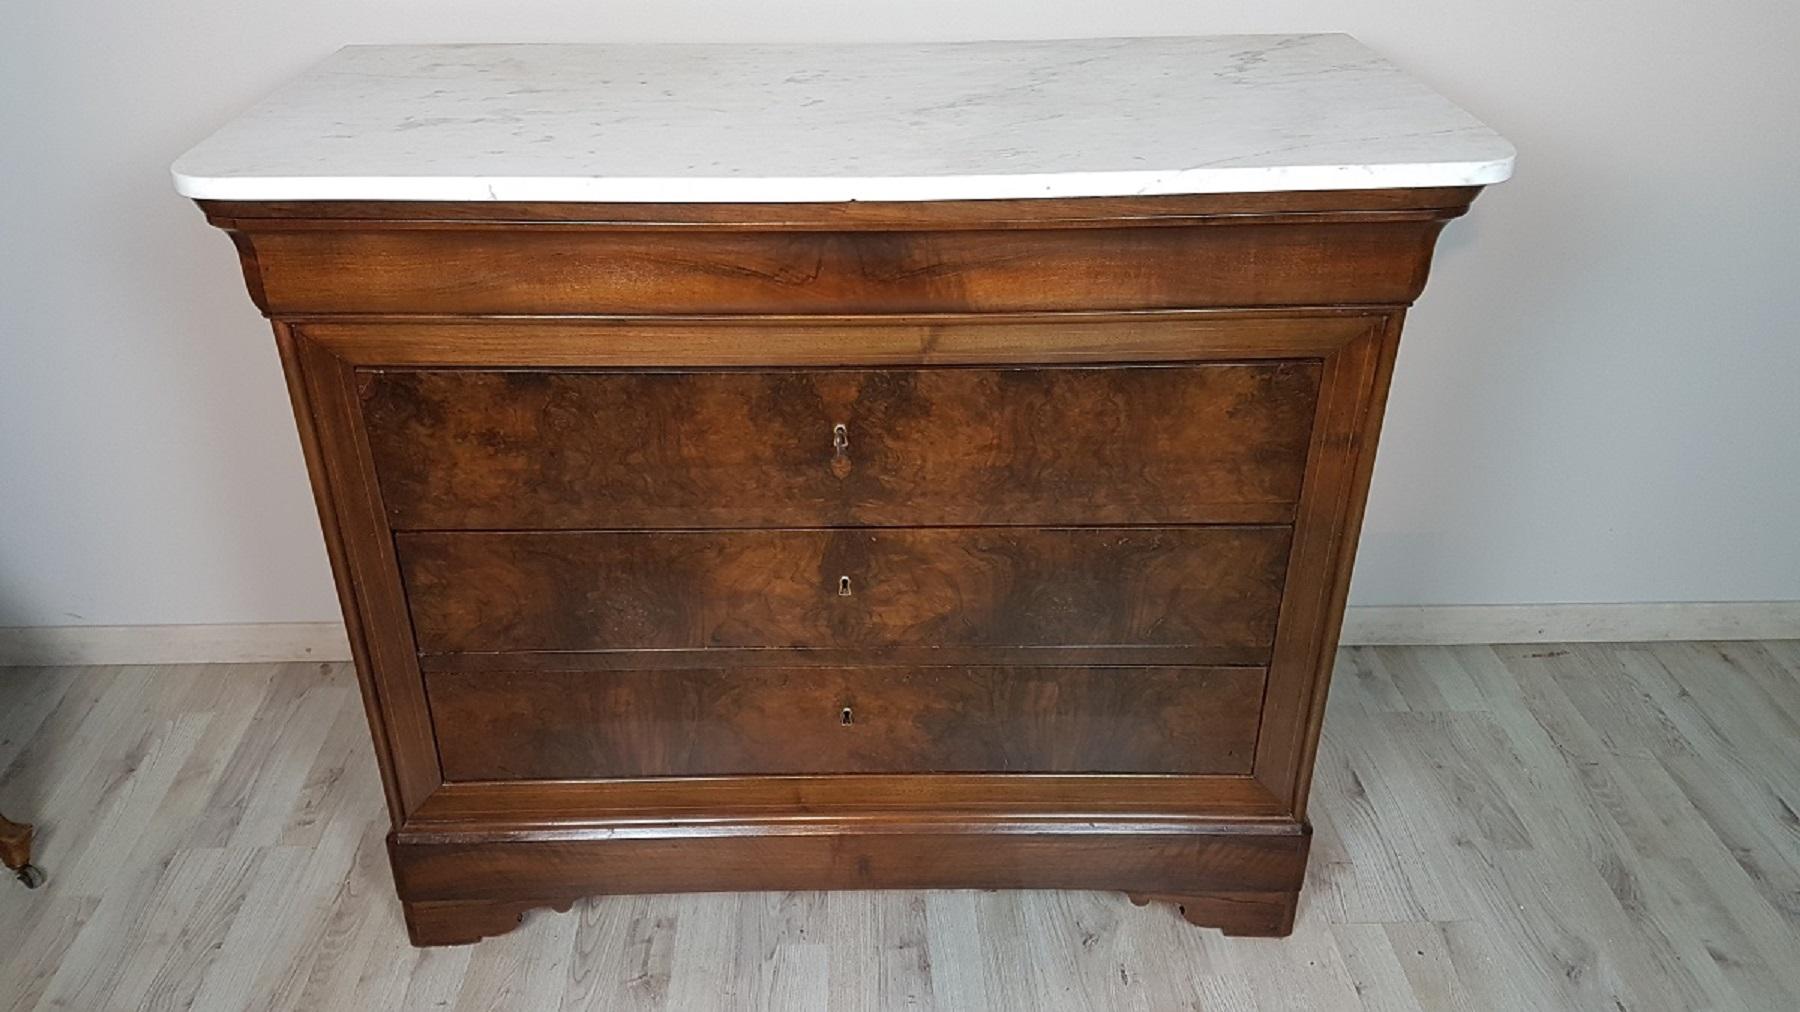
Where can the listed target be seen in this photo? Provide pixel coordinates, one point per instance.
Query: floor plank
(1513, 827)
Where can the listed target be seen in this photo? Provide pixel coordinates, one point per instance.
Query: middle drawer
(1174, 594)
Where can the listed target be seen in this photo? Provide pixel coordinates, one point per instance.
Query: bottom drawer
(579, 725)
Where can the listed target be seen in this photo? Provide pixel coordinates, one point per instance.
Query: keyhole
(840, 450)
(844, 717)
(843, 586)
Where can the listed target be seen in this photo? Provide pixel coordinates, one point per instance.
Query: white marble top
(946, 121)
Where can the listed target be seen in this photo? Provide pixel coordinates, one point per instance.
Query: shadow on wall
(11, 614)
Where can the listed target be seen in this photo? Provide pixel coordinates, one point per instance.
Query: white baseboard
(1449, 625)
(43, 646)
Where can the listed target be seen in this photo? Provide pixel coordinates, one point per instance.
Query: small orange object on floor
(15, 852)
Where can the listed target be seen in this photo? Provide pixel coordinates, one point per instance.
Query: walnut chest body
(951, 544)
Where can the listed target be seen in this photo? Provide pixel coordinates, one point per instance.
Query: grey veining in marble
(946, 121)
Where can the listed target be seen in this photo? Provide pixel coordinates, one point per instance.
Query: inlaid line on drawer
(568, 725)
(1201, 588)
(661, 449)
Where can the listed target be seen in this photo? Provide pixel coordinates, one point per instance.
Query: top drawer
(543, 449)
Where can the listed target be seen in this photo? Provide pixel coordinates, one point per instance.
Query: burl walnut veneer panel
(572, 725)
(539, 449)
(1204, 592)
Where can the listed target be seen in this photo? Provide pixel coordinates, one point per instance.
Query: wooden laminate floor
(1582, 827)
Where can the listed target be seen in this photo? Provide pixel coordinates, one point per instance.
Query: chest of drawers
(952, 543)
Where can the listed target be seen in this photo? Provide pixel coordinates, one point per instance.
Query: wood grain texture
(839, 341)
(1323, 547)
(540, 449)
(535, 270)
(1283, 249)
(1225, 860)
(566, 725)
(1244, 913)
(362, 551)
(1005, 445)
(1210, 591)
(313, 432)
(1528, 827)
(462, 922)
(506, 807)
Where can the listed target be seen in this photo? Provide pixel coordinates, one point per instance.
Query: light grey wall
(1596, 401)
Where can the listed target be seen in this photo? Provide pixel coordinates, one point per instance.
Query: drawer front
(635, 723)
(1213, 592)
(1214, 443)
